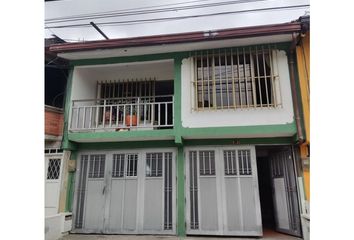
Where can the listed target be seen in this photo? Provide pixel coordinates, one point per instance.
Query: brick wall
(53, 122)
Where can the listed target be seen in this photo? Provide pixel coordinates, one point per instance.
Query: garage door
(222, 192)
(127, 192)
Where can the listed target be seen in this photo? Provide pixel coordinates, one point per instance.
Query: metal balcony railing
(119, 114)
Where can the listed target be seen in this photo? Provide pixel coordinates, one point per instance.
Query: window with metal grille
(97, 165)
(124, 89)
(235, 78)
(244, 162)
(118, 165)
(154, 164)
(132, 164)
(230, 162)
(53, 171)
(207, 163)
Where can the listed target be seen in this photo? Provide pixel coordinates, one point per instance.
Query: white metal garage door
(126, 192)
(222, 191)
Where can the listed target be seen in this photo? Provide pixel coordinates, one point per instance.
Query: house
(55, 80)
(303, 61)
(184, 134)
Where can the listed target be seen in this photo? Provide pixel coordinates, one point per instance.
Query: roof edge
(252, 31)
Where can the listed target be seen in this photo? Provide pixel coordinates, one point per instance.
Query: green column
(181, 226)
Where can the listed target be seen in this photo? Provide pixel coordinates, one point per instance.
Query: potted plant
(130, 117)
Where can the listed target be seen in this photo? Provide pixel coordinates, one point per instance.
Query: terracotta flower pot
(131, 120)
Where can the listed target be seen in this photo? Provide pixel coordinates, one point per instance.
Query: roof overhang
(176, 42)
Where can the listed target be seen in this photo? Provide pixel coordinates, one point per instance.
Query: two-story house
(189, 133)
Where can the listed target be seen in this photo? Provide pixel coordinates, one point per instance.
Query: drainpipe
(291, 63)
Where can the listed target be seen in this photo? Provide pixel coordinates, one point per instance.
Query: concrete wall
(239, 117)
(85, 78)
(57, 225)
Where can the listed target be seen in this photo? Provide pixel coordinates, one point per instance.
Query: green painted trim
(66, 144)
(177, 106)
(139, 58)
(70, 185)
(70, 192)
(238, 141)
(114, 136)
(181, 224)
(288, 129)
(126, 145)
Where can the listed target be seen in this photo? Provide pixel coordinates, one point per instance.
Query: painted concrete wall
(239, 117)
(85, 78)
(303, 62)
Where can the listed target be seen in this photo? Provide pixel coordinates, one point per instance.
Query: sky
(66, 8)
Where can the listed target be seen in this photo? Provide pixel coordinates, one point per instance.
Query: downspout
(291, 63)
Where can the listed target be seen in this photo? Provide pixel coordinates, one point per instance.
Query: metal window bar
(265, 77)
(246, 76)
(97, 166)
(118, 165)
(132, 161)
(244, 158)
(53, 170)
(168, 191)
(230, 162)
(81, 191)
(193, 188)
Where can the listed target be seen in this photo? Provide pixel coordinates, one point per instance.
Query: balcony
(122, 114)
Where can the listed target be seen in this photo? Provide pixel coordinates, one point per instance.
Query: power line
(122, 10)
(139, 21)
(157, 10)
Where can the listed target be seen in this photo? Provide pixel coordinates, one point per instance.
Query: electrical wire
(152, 11)
(122, 10)
(151, 20)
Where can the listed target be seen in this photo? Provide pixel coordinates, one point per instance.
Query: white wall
(239, 117)
(85, 77)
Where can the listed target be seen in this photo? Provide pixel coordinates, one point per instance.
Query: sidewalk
(268, 235)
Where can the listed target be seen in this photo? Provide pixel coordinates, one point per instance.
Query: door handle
(104, 189)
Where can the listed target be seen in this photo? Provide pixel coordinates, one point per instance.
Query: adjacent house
(185, 134)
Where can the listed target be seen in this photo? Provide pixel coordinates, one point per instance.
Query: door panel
(287, 214)
(222, 193)
(122, 193)
(208, 204)
(95, 195)
(233, 203)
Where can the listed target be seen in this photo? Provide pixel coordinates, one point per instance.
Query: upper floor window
(235, 78)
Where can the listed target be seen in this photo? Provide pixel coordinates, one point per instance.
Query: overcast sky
(65, 8)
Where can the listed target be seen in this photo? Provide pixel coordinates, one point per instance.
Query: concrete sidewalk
(268, 235)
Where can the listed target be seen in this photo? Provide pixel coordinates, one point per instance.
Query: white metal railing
(122, 113)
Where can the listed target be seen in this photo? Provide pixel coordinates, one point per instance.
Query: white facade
(85, 78)
(237, 117)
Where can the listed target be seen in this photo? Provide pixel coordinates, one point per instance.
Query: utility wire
(122, 10)
(158, 10)
(140, 21)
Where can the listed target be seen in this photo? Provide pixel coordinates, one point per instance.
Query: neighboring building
(191, 133)
(54, 158)
(303, 62)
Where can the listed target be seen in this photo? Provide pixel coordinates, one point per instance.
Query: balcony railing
(119, 114)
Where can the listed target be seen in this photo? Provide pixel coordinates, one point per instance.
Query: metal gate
(287, 215)
(222, 191)
(128, 192)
